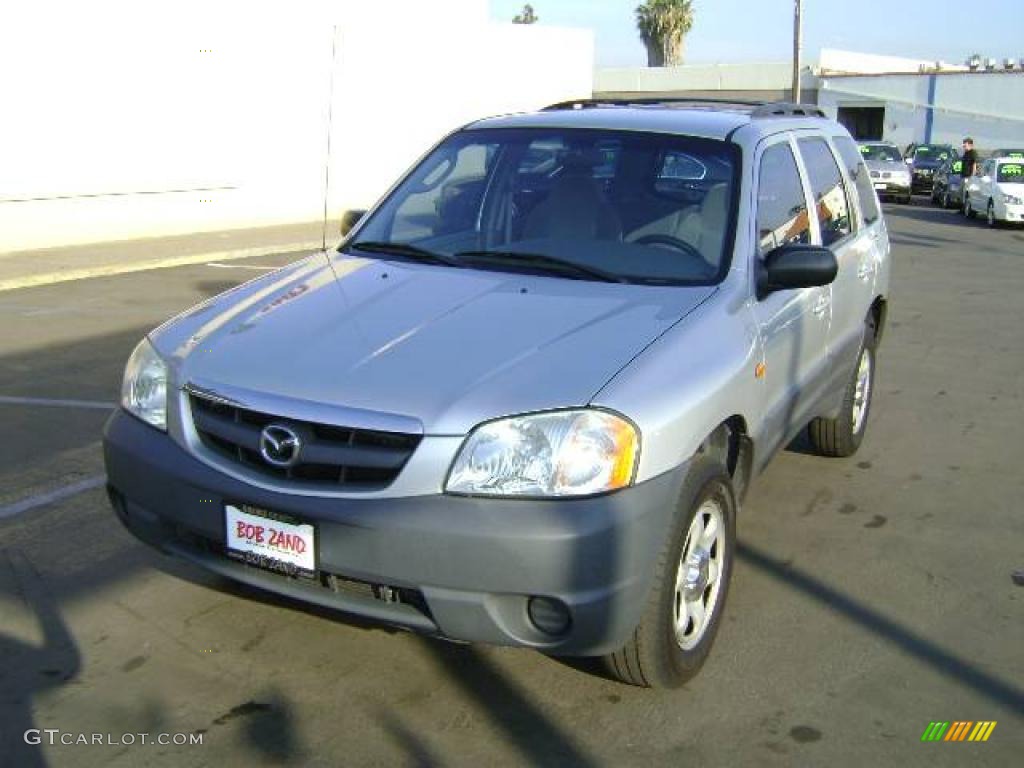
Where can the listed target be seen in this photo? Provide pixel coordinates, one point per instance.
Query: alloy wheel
(862, 392)
(699, 575)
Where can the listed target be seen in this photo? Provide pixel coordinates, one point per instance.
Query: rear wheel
(684, 609)
(842, 435)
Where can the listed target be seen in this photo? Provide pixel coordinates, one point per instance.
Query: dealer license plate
(264, 539)
(879, 186)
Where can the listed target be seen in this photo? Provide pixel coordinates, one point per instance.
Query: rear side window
(827, 187)
(861, 181)
(781, 206)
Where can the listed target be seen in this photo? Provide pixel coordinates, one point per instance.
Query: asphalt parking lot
(872, 596)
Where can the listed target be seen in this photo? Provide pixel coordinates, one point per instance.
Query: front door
(793, 323)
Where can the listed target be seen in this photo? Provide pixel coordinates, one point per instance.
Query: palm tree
(527, 16)
(662, 25)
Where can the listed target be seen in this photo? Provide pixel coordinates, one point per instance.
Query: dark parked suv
(924, 160)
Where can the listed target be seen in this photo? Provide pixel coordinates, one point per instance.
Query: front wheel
(684, 608)
(990, 215)
(968, 211)
(842, 435)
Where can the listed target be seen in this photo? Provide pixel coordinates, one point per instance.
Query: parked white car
(997, 189)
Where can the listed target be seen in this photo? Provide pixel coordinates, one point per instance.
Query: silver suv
(522, 401)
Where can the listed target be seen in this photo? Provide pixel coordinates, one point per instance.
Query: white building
(124, 121)
(876, 97)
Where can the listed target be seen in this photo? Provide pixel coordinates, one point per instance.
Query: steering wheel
(670, 242)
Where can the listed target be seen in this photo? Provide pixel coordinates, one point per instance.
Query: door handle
(821, 305)
(865, 270)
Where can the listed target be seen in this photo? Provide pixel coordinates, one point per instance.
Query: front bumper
(922, 181)
(886, 188)
(1011, 213)
(459, 567)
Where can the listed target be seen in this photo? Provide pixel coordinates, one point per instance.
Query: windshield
(1011, 173)
(881, 152)
(932, 152)
(628, 206)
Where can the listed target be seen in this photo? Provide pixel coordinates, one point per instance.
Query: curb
(106, 270)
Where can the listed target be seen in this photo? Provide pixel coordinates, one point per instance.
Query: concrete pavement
(872, 595)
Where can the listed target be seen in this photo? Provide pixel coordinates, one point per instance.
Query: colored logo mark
(959, 730)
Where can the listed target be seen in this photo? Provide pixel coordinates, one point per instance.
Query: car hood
(886, 165)
(447, 347)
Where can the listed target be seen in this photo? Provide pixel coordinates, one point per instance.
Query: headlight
(1011, 199)
(144, 389)
(564, 453)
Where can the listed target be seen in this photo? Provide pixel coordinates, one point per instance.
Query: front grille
(330, 456)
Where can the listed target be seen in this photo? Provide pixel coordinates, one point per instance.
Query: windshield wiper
(406, 251)
(539, 261)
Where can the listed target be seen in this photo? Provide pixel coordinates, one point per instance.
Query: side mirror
(349, 219)
(796, 265)
(910, 161)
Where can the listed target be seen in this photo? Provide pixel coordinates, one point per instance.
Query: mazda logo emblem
(279, 445)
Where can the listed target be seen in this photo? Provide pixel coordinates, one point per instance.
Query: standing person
(969, 161)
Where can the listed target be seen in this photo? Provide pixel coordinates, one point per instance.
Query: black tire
(652, 658)
(969, 212)
(946, 202)
(907, 200)
(839, 437)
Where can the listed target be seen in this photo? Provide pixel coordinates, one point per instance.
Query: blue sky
(746, 30)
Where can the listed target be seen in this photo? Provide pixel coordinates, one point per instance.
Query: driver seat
(705, 228)
(575, 208)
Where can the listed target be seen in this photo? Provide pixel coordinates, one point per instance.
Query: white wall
(748, 76)
(138, 124)
(835, 60)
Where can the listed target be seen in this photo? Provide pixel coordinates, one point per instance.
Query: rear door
(869, 249)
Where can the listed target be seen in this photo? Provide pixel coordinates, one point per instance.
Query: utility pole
(796, 50)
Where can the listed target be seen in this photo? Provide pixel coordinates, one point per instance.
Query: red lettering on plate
(300, 545)
(244, 530)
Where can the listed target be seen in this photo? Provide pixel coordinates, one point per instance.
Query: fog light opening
(548, 615)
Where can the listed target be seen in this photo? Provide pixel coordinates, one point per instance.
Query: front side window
(781, 206)
(827, 187)
(623, 205)
(858, 172)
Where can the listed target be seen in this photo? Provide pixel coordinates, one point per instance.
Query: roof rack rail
(645, 101)
(760, 108)
(787, 109)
